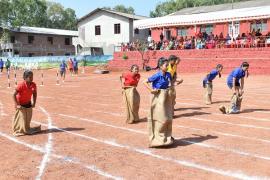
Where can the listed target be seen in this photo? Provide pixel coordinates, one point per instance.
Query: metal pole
(8, 80)
(57, 78)
(42, 84)
(15, 77)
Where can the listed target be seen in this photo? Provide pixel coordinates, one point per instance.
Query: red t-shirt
(131, 79)
(25, 92)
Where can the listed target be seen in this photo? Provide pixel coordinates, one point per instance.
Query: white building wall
(107, 40)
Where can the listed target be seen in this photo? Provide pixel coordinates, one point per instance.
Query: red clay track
(90, 140)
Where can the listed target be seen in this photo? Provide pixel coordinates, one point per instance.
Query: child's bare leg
(208, 95)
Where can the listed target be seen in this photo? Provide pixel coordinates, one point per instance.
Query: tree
(36, 13)
(141, 47)
(121, 8)
(70, 19)
(27, 13)
(171, 6)
(55, 15)
(4, 10)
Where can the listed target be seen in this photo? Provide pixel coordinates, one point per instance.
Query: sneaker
(222, 109)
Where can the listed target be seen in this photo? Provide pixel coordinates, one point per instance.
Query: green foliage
(61, 18)
(122, 8)
(5, 37)
(171, 6)
(125, 57)
(4, 10)
(27, 13)
(37, 13)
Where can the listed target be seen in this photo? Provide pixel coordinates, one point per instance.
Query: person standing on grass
(24, 106)
(235, 82)
(70, 66)
(129, 82)
(1, 65)
(208, 85)
(161, 111)
(75, 66)
(172, 69)
(63, 68)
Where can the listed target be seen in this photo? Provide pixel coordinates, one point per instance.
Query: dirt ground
(84, 134)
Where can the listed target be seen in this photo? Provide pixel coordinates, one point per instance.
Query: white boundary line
(48, 147)
(228, 173)
(228, 123)
(121, 115)
(63, 158)
(2, 113)
(225, 134)
(206, 145)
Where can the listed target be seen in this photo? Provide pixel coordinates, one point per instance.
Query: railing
(34, 47)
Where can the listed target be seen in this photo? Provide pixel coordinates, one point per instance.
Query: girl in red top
(70, 66)
(129, 82)
(23, 105)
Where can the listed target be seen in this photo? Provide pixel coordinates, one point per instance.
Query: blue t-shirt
(210, 77)
(1, 64)
(160, 81)
(75, 63)
(237, 73)
(63, 66)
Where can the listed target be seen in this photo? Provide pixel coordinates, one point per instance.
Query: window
(262, 25)
(234, 29)
(67, 41)
(117, 29)
(97, 30)
(182, 32)
(50, 40)
(50, 54)
(12, 39)
(31, 39)
(136, 31)
(207, 28)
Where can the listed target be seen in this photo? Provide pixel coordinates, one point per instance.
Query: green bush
(125, 57)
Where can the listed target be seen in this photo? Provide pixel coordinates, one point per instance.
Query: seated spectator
(267, 41)
(258, 33)
(199, 44)
(149, 39)
(221, 37)
(228, 40)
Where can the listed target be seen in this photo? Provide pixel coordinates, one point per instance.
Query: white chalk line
(2, 113)
(193, 104)
(64, 158)
(244, 117)
(228, 123)
(48, 146)
(206, 145)
(228, 173)
(227, 134)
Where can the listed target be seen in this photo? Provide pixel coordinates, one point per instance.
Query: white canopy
(253, 13)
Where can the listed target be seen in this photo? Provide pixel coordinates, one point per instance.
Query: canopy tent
(254, 13)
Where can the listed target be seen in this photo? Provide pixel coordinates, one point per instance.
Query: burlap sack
(21, 122)
(132, 104)
(160, 119)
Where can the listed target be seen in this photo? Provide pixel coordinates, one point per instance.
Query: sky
(83, 7)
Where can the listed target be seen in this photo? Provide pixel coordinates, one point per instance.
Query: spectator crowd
(204, 41)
